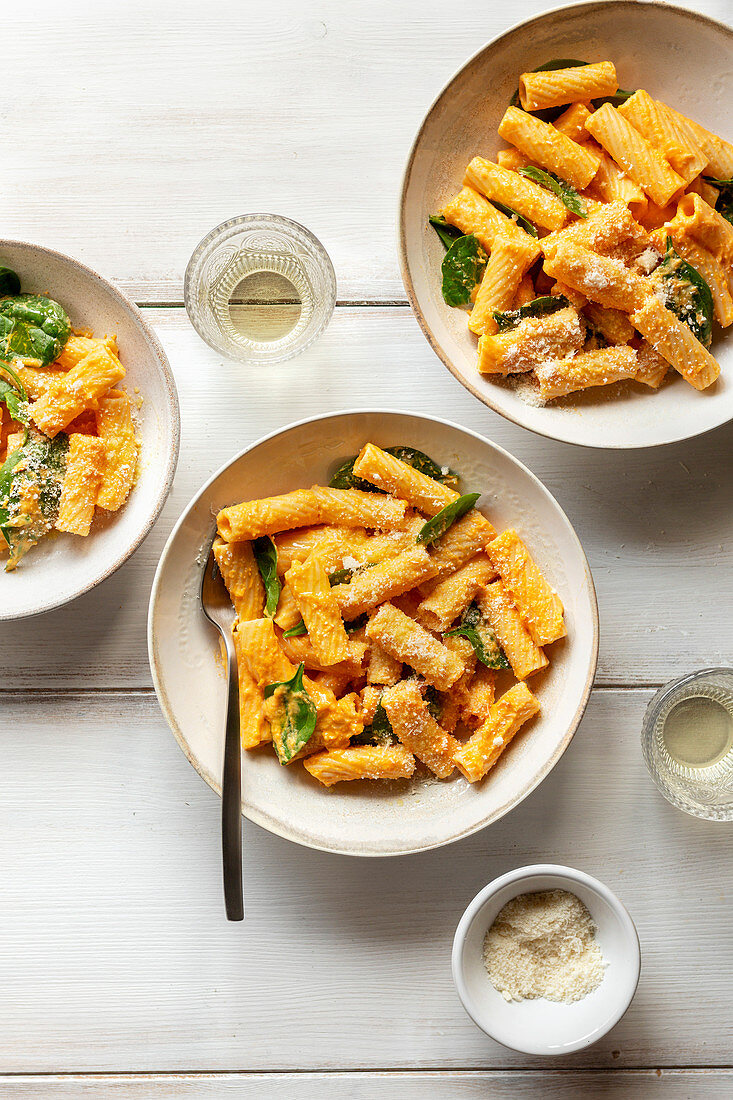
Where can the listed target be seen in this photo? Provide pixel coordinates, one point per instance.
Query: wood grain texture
(656, 525)
(159, 122)
(117, 957)
(515, 1085)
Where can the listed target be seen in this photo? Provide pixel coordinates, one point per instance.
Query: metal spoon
(217, 607)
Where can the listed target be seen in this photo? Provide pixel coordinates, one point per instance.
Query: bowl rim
(522, 877)
(173, 406)
(267, 822)
(486, 398)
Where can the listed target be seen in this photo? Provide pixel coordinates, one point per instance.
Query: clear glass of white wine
(260, 288)
(687, 741)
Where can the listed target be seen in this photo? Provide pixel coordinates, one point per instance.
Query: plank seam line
(407, 1074)
(146, 690)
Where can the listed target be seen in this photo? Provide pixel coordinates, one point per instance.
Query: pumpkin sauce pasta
(371, 625)
(73, 449)
(618, 203)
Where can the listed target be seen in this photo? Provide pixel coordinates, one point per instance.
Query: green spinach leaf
(340, 576)
(566, 194)
(686, 294)
(724, 205)
(444, 229)
(378, 732)
(265, 553)
(345, 478)
(538, 307)
(356, 624)
(520, 219)
(39, 466)
(295, 717)
(446, 517)
(13, 394)
(481, 636)
(424, 464)
(296, 631)
(9, 282)
(462, 267)
(32, 327)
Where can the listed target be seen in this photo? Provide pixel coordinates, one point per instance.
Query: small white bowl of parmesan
(546, 960)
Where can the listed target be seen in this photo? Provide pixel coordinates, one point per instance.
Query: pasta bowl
(462, 123)
(62, 567)
(363, 817)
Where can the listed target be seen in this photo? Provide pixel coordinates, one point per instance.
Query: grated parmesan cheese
(543, 945)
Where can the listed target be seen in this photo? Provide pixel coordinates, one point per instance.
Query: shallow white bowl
(539, 1026)
(363, 818)
(63, 567)
(689, 67)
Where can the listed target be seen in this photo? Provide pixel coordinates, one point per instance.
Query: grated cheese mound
(543, 945)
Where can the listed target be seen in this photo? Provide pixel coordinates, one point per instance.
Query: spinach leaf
(481, 637)
(686, 294)
(295, 718)
(13, 394)
(433, 702)
(345, 478)
(447, 516)
(538, 307)
(444, 229)
(32, 327)
(33, 472)
(520, 219)
(356, 624)
(265, 553)
(378, 732)
(551, 113)
(340, 576)
(9, 282)
(295, 631)
(462, 266)
(567, 194)
(424, 464)
(724, 205)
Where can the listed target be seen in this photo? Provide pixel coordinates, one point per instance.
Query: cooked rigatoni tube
(384, 581)
(477, 698)
(257, 644)
(472, 213)
(652, 368)
(634, 154)
(662, 130)
(303, 507)
(77, 348)
(381, 668)
(361, 762)
(572, 123)
(602, 367)
(612, 324)
(394, 476)
(253, 725)
(675, 342)
(407, 641)
(530, 342)
(611, 183)
(453, 594)
(603, 279)
(317, 604)
(528, 198)
(80, 388)
(537, 603)
(338, 719)
(508, 714)
(555, 87)
(459, 544)
(115, 428)
(499, 610)
(287, 614)
(242, 578)
(511, 159)
(79, 490)
(548, 148)
(719, 152)
(503, 274)
(298, 648)
(39, 380)
(610, 229)
(698, 220)
(414, 726)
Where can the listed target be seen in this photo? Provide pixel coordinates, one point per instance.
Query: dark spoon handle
(231, 800)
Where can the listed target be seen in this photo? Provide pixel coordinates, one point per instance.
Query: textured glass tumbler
(704, 788)
(257, 244)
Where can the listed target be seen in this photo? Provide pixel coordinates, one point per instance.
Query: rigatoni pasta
(372, 651)
(622, 207)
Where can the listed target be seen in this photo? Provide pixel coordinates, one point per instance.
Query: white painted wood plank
(657, 526)
(158, 121)
(515, 1085)
(117, 956)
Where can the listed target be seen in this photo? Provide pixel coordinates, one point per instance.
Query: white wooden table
(129, 131)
